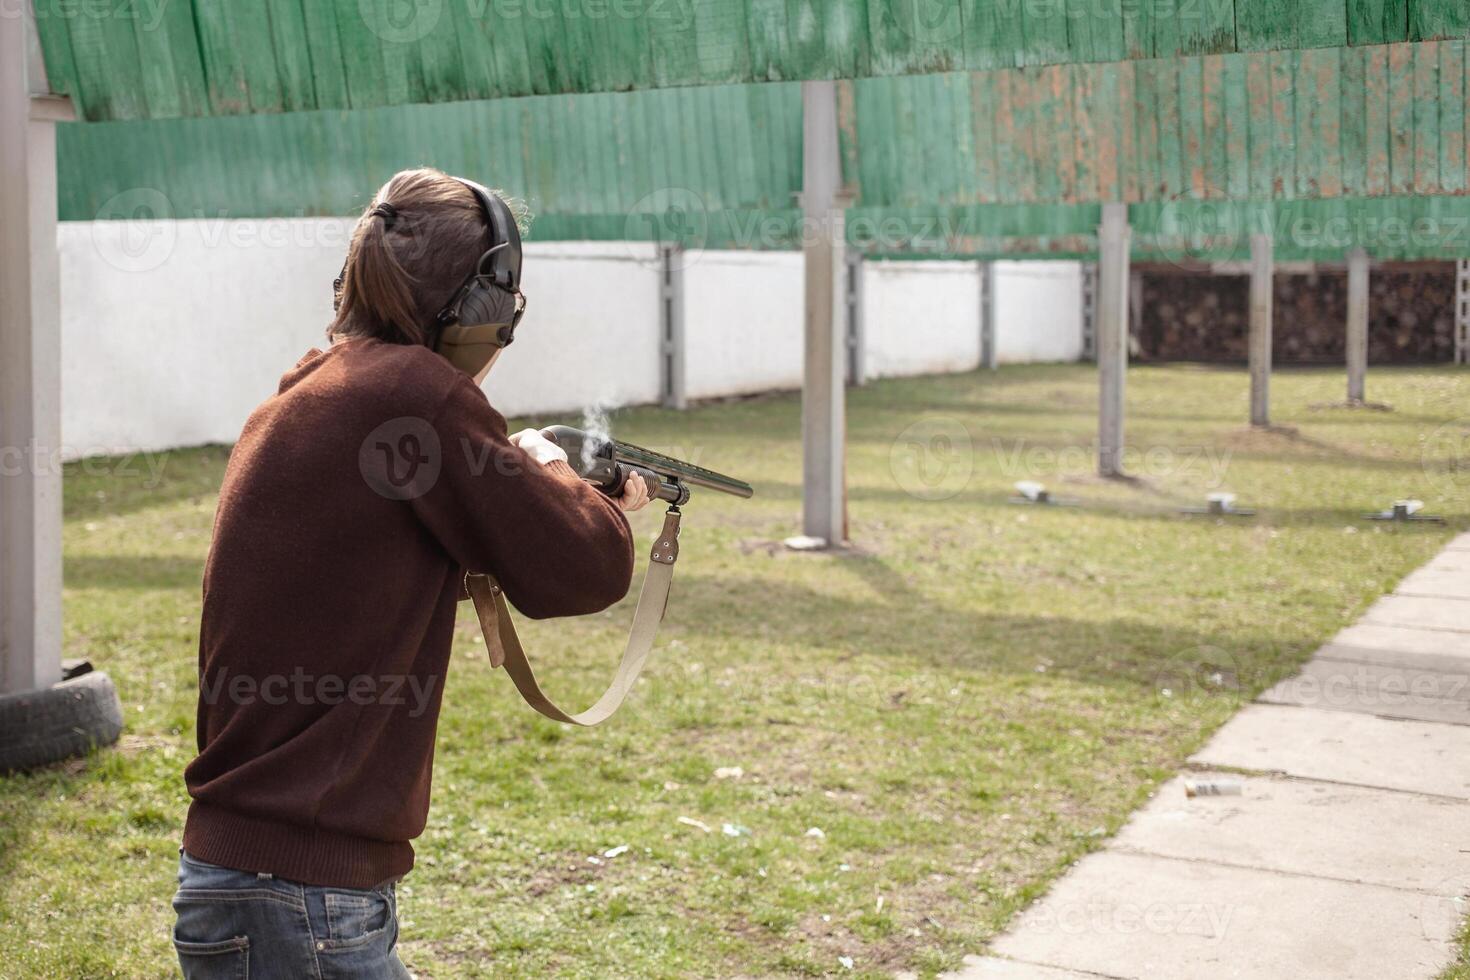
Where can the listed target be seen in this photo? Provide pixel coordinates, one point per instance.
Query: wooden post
(30, 367)
(1357, 325)
(1112, 335)
(1262, 271)
(824, 490)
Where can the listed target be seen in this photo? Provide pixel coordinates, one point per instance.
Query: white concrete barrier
(173, 331)
(743, 322)
(1038, 311)
(921, 317)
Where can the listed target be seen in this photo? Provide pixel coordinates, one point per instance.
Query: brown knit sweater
(353, 503)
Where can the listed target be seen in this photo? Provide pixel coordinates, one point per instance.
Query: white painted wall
(1038, 311)
(590, 334)
(173, 331)
(921, 317)
(743, 322)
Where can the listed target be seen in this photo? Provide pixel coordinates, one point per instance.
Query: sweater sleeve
(557, 545)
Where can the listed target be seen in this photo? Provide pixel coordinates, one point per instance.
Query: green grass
(1460, 969)
(965, 702)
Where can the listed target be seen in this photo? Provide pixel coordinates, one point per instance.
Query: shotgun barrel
(607, 463)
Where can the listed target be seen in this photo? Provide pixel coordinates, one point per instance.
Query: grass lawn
(964, 703)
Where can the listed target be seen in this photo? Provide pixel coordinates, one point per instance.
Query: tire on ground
(54, 723)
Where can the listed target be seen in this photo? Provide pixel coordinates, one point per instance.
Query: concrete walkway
(1347, 854)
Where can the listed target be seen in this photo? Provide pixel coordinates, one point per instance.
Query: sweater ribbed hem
(313, 857)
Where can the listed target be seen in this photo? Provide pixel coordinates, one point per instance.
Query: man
(355, 501)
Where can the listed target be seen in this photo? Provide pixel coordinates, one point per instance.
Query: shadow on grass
(135, 572)
(995, 502)
(1118, 652)
(120, 485)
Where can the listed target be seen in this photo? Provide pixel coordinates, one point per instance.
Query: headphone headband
(505, 239)
(498, 268)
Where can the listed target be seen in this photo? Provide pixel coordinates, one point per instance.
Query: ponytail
(410, 250)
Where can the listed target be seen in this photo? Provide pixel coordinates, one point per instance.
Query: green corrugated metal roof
(134, 60)
(1370, 122)
(1182, 232)
(606, 159)
(961, 163)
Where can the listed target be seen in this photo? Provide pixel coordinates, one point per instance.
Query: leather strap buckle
(666, 546)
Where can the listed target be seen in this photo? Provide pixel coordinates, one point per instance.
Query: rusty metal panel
(233, 57)
(982, 155)
(1452, 132)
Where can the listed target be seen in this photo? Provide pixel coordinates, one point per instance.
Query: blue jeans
(244, 926)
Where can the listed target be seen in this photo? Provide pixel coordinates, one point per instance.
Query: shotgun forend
(607, 463)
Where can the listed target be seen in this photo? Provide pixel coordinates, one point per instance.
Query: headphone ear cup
(483, 303)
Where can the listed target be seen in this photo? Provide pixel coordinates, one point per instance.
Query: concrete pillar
(857, 343)
(671, 326)
(1462, 313)
(1135, 305)
(988, 357)
(1357, 325)
(1114, 238)
(1089, 311)
(1262, 274)
(823, 422)
(30, 368)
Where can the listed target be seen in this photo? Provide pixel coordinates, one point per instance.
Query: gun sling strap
(504, 647)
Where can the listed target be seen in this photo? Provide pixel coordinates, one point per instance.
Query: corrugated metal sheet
(1370, 143)
(1184, 232)
(132, 60)
(1370, 121)
(614, 165)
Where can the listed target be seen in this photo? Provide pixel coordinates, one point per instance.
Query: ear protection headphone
(469, 319)
(474, 305)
